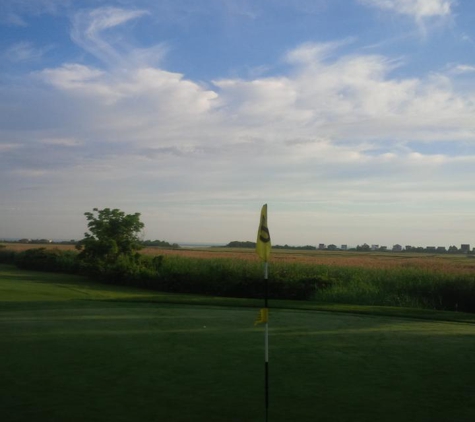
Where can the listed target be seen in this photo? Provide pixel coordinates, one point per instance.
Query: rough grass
(443, 282)
(453, 263)
(129, 359)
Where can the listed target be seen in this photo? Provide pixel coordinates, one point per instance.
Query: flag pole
(263, 249)
(266, 338)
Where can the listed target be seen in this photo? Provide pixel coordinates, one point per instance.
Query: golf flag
(263, 245)
(263, 316)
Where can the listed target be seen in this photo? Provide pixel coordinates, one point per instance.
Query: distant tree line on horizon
(246, 244)
(464, 249)
(143, 243)
(161, 243)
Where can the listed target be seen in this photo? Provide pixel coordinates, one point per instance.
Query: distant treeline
(144, 243)
(160, 243)
(361, 248)
(239, 244)
(40, 241)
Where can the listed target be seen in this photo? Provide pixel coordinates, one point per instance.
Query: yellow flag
(263, 245)
(263, 316)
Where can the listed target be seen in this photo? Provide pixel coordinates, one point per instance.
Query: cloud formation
(90, 28)
(335, 136)
(24, 51)
(328, 111)
(418, 9)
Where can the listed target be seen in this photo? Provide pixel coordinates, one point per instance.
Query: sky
(354, 120)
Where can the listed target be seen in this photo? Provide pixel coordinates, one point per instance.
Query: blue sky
(353, 119)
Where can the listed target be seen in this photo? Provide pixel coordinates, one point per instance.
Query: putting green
(90, 360)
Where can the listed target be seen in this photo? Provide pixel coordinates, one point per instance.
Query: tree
(453, 249)
(113, 234)
(364, 248)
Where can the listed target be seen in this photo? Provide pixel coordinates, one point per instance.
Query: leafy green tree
(112, 235)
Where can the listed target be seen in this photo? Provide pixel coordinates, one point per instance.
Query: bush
(6, 256)
(137, 270)
(53, 260)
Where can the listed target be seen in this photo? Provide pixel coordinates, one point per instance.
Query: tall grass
(228, 277)
(409, 286)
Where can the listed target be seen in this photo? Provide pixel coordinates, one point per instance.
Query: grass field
(78, 351)
(452, 263)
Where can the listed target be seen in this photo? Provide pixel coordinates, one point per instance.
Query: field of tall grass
(407, 286)
(386, 279)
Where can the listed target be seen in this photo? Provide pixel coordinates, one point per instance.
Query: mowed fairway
(69, 354)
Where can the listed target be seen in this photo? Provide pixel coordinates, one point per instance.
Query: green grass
(26, 286)
(72, 350)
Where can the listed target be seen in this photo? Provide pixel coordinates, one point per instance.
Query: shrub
(42, 259)
(6, 256)
(137, 270)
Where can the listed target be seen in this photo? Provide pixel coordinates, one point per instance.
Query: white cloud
(418, 9)
(462, 69)
(15, 12)
(332, 133)
(350, 97)
(24, 51)
(89, 31)
(425, 13)
(312, 52)
(156, 89)
(333, 140)
(78, 78)
(63, 142)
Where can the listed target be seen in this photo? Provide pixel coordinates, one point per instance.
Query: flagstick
(263, 248)
(266, 340)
